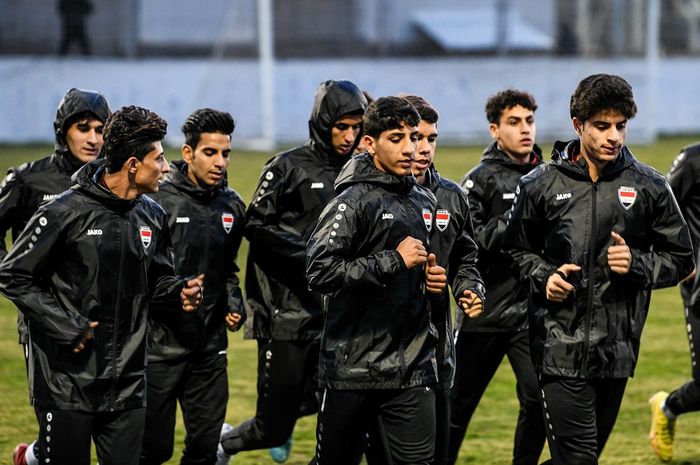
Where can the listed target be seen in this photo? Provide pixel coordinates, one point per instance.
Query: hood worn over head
(74, 102)
(333, 100)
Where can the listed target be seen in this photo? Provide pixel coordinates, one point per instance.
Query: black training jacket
(89, 255)
(377, 332)
(293, 189)
(561, 216)
(451, 241)
(27, 186)
(491, 186)
(684, 179)
(206, 227)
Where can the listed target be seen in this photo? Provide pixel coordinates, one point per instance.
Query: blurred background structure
(262, 59)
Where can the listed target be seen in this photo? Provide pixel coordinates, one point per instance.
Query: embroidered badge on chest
(145, 233)
(442, 219)
(227, 221)
(626, 196)
(428, 219)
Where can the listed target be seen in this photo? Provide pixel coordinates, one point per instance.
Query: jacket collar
(178, 177)
(564, 153)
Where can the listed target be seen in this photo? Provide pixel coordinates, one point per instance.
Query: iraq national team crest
(442, 219)
(145, 233)
(428, 219)
(227, 220)
(626, 196)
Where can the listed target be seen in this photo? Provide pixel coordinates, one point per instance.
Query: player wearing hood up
(78, 124)
(286, 318)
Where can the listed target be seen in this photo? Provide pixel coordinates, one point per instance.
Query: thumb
(93, 324)
(568, 268)
(432, 260)
(617, 238)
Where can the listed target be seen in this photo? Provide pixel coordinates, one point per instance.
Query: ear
(132, 165)
(578, 125)
(369, 143)
(494, 130)
(187, 153)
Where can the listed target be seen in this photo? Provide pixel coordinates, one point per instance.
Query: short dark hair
(387, 113)
(130, 131)
(599, 92)
(206, 120)
(509, 98)
(426, 111)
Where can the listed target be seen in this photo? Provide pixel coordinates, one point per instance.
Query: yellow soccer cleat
(662, 429)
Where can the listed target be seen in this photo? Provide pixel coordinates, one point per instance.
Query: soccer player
(286, 318)
(187, 351)
(84, 272)
(592, 233)
(451, 239)
(684, 179)
(368, 256)
(78, 125)
(502, 331)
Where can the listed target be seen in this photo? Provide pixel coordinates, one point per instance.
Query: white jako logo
(182, 219)
(387, 216)
(317, 185)
(566, 195)
(94, 232)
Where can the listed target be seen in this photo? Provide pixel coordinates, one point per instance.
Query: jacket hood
(564, 156)
(87, 180)
(74, 102)
(494, 153)
(333, 100)
(360, 169)
(178, 178)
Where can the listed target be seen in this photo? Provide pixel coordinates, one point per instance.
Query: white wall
(32, 87)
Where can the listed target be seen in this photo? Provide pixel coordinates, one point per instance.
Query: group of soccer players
(358, 247)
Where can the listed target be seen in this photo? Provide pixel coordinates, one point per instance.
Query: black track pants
(404, 421)
(64, 436)
(579, 416)
(287, 370)
(687, 398)
(479, 355)
(200, 385)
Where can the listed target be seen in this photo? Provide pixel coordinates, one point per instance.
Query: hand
(232, 320)
(558, 288)
(412, 252)
(619, 255)
(471, 304)
(191, 295)
(86, 337)
(435, 276)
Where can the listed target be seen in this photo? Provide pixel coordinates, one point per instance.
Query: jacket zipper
(122, 256)
(591, 267)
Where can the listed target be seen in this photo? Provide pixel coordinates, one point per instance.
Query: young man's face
(344, 132)
(208, 161)
(602, 135)
(394, 150)
(150, 169)
(425, 152)
(515, 132)
(84, 139)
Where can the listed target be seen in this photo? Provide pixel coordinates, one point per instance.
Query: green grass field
(664, 361)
